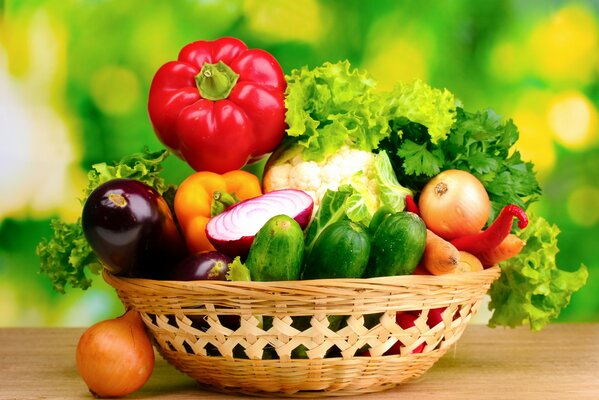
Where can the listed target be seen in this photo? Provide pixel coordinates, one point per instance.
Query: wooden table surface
(560, 362)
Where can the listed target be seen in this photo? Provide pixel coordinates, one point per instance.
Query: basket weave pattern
(277, 337)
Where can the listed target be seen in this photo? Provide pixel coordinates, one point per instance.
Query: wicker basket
(245, 337)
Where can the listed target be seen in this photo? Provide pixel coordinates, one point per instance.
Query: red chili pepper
(494, 234)
(220, 105)
(411, 205)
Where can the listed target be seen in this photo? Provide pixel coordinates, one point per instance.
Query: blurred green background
(74, 78)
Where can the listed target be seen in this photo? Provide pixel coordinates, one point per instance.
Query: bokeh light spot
(115, 90)
(397, 51)
(505, 62)
(388, 69)
(564, 46)
(572, 119)
(582, 206)
(35, 167)
(535, 142)
(280, 20)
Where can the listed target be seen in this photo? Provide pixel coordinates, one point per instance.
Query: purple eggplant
(131, 229)
(210, 265)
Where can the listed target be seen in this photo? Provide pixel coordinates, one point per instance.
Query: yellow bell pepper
(204, 194)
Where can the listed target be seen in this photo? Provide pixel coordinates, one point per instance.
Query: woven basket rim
(401, 280)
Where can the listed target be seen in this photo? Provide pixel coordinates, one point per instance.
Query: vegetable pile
(359, 183)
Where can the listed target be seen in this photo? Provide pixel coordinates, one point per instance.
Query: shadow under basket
(315, 338)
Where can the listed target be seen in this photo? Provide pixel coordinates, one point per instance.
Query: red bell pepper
(220, 105)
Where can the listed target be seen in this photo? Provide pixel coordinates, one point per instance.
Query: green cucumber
(341, 251)
(378, 217)
(277, 251)
(397, 245)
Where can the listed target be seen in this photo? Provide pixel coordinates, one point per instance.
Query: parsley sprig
(480, 142)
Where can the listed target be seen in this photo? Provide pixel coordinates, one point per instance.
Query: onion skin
(239, 247)
(453, 204)
(115, 357)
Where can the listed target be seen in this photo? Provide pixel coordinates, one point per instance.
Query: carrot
(468, 263)
(440, 256)
(509, 247)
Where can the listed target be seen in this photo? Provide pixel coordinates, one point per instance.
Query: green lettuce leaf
(359, 208)
(374, 188)
(66, 256)
(144, 167)
(333, 105)
(531, 288)
(238, 271)
(420, 103)
(362, 204)
(333, 208)
(390, 192)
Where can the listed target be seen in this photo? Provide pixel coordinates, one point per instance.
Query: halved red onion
(232, 231)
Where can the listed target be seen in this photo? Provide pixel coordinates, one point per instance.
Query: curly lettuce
(66, 256)
(331, 106)
(422, 104)
(238, 271)
(144, 167)
(531, 288)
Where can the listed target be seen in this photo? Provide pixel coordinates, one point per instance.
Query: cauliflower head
(371, 175)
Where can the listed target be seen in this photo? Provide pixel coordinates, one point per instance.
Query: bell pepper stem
(216, 81)
(494, 234)
(221, 201)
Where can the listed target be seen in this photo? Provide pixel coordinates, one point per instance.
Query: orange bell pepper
(195, 201)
